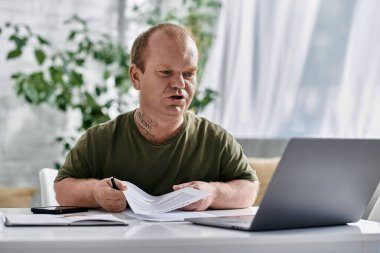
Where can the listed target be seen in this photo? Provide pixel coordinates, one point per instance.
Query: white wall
(27, 132)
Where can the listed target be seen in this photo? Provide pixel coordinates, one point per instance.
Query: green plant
(61, 77)
(64, 78)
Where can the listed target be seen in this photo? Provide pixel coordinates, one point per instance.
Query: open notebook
(77, 219)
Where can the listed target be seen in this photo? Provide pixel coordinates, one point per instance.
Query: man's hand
(237, 193)
(108, 198)
(202, 204)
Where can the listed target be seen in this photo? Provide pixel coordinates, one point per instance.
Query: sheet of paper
(91, 217)
(35, 219)
(169, 216)
(2, 220)
(65, 219)
(143, 203)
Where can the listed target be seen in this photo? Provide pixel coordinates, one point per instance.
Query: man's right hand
(108, 198)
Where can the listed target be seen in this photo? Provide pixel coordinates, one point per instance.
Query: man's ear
(135, 73)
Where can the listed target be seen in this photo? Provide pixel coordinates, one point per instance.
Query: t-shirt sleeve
(234, 164)
(77, 162)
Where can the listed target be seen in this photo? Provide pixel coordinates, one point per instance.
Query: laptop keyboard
(240, 222)
(242, 218)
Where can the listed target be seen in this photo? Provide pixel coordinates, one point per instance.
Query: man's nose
(178, 82)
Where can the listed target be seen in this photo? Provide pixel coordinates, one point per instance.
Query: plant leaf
(42, 41)
(14, 54)
(57, 165)
(80, 62)
(72, 35)
(40, 56)
(119, 80)
(56, 75)
(16, 75)
(19, 41)
(76, 78)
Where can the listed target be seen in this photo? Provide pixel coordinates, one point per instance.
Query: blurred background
(269, 70)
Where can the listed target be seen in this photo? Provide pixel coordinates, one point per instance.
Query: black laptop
(319, 182)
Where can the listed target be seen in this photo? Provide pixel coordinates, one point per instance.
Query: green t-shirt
(201, 151)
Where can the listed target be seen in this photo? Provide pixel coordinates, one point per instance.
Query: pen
(114, 184)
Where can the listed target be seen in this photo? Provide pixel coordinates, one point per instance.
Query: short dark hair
(139, 46)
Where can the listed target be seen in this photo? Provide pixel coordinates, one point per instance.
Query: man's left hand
(202, 204)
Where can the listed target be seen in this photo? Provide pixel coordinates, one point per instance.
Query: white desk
(185, 237)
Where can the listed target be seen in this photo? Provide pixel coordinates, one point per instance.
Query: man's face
(168, 83)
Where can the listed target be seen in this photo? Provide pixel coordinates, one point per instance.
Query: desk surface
(140, 236)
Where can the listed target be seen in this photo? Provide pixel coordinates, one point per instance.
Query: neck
(157, 130)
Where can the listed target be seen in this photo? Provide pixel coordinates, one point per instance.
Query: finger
(116, 198)
(189, 208)
(114, 205)
(120, 185)
(112, 194)
(109, 182)
(115, 208)
(196, 208)
(181, 186)
(193, 206)
(194, 186)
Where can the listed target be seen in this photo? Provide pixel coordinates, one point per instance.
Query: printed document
(143, 203)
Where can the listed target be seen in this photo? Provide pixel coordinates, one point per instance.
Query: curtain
(256, 64)
(355, 111)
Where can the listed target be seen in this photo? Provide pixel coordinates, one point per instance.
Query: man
(160, 146)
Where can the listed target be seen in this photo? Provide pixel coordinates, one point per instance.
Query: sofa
(16, 197)
(265, 168)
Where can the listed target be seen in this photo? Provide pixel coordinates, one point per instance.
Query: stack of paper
(160, 208)
(143, 203)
